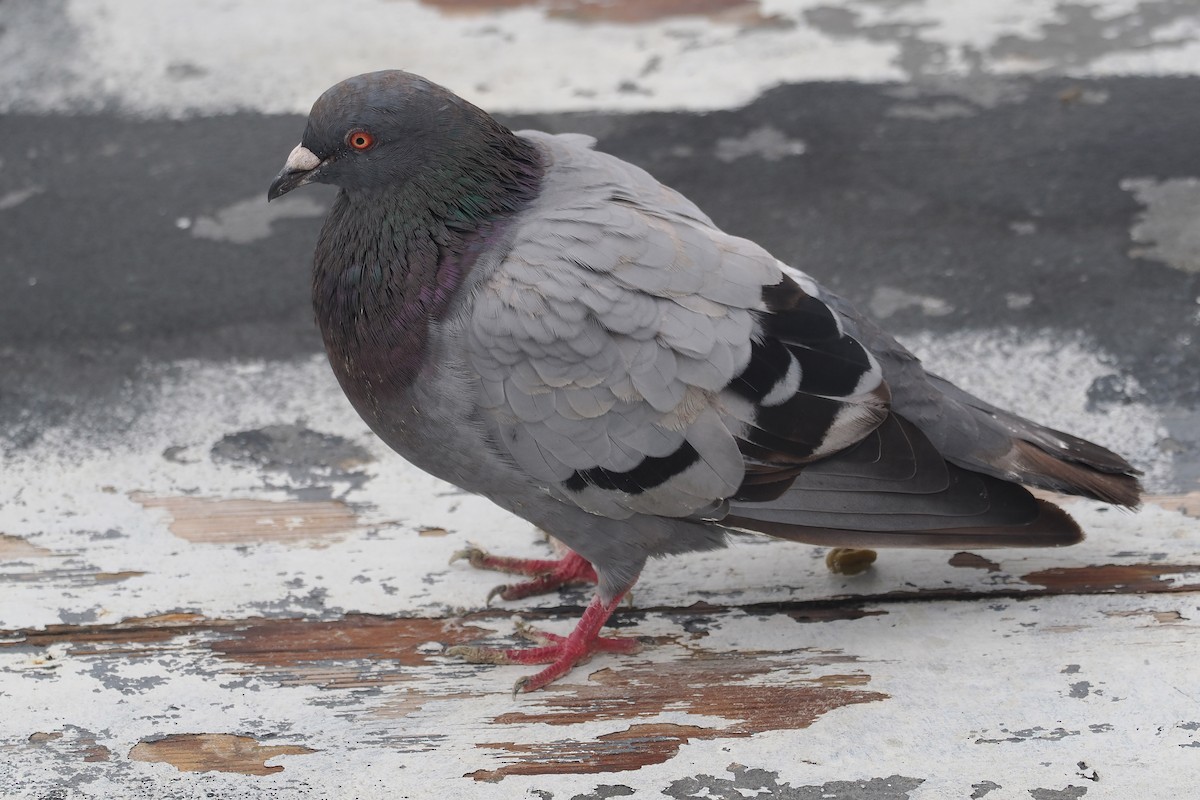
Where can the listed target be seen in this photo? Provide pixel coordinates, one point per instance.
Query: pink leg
(547, 574)
(560, 652)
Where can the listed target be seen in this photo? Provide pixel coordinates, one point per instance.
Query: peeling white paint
(74, 493)
(209, 56)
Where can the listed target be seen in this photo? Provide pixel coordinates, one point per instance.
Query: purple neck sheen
(389, 262)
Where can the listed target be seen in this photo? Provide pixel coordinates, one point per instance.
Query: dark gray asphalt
(1024, 198)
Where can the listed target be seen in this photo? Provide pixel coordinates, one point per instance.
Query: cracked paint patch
(1082, 34)
(306, 456)
(1071, 792)
(1118, 577)
(72, 744)
(726, 686)
(1169, 227)
(215, 752)
(251, 219)
(983, 789)
(353, 652)
(626, 12)
(558, 55)
(748, 782)
(1037, 733)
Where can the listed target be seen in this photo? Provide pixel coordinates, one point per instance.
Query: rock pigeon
(550, 327)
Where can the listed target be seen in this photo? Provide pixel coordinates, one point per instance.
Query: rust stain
(1165, 617)
(721, 686)
(624, 12)
(113, 577)
(973, 561)
(331, 654)
(1114, 578)
(94, 639)
(208, 520)
(637, 746)
(214, 752)
(1187, 504)
(432, 532)
(14, 548)
(833, 613)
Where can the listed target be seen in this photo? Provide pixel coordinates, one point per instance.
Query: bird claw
(559, 653)
(496, 590)
(546, 575)
(472, 554)
(540, 637)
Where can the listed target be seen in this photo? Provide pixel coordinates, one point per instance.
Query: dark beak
(301, 168)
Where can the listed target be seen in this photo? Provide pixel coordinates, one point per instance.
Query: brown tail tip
(1073, 477)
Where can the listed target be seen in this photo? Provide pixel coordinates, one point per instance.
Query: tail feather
(894, 489)
(1064, 472)
(1043, 457)
(1051, 527)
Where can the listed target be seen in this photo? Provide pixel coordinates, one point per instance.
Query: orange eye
(360, 140)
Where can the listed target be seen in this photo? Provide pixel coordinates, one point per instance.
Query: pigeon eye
(360, 140)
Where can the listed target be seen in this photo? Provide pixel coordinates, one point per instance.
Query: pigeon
(549, 327)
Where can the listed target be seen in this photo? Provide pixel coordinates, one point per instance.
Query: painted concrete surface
(214, 581)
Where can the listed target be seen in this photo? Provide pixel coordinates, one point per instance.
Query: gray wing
(634, 359)
(626, 359)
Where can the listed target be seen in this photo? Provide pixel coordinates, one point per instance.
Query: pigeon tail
(1064, 463)
(1050, 526)
(1033, 454)
(895, 489)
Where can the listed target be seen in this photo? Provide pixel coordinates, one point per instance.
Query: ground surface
(213, 579)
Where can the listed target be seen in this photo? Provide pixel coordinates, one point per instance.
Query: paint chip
(250, 220)
(214, 752)
(625, 12)
(1117, 578)
(207, 520)
(724, 686)
(14, 548)
(766, 142)
(1170, 224)
(973, 561)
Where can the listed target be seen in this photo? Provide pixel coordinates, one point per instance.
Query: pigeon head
(385, 130)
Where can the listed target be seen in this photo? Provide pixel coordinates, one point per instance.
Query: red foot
(560, 652)
(548, 574)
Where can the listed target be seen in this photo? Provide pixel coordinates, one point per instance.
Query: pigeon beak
(299, 169)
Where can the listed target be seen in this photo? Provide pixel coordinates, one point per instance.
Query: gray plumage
(550, 327)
